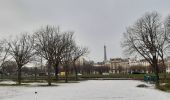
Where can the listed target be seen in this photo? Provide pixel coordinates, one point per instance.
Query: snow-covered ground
(86, 90)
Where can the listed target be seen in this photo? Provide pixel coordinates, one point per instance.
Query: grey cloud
(95, 22)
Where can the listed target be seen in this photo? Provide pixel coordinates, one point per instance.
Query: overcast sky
(95, 22)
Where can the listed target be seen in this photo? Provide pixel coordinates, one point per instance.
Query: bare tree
(55, 47)
(46, 40)
(167, 27)
(76, 54)
(67, 53)
(4, 52)
(163, 46)
(65, 40)
(164, 43)
(22, 51)
(144, 38)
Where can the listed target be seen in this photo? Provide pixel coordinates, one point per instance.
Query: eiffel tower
(105, 55)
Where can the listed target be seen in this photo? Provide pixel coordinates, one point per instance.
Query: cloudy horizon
(95, 22)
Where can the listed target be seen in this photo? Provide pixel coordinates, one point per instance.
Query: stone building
(119, 65)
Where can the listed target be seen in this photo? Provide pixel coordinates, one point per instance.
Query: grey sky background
(95, 22)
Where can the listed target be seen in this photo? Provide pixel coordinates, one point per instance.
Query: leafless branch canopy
(145, 37)
(21, 49)
(78, 52)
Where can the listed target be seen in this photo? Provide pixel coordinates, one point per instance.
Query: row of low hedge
(133, 76)
(91, 76)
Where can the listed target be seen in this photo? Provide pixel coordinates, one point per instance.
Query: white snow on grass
(7, 82)
(85, 90)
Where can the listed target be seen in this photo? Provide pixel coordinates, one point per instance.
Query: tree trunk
(35, 78)
(56, 71)
(164, 69)
(157, 77)
(2, 74)
(155, 65)
(164, 66)
(75, 69)
(19, 75)
(49, 73)
(66, 73)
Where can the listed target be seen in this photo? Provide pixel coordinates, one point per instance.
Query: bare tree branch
(22, 51)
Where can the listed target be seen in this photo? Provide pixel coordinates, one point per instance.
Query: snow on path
(86, 90)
